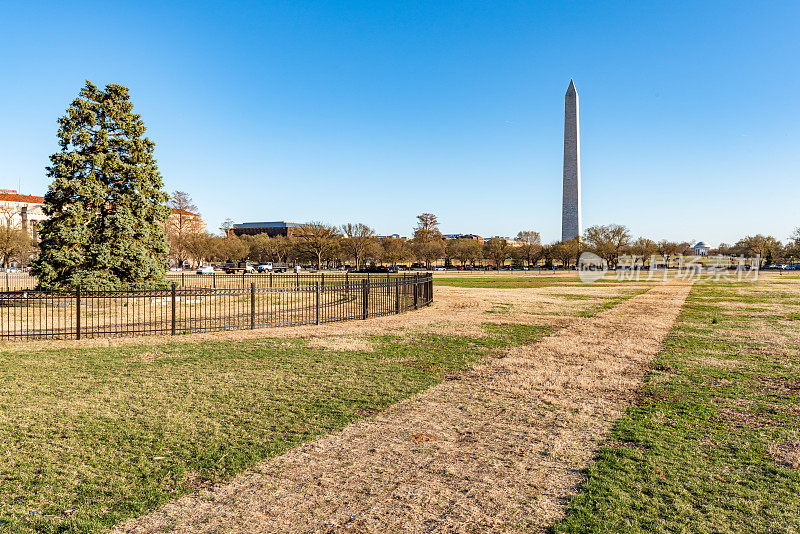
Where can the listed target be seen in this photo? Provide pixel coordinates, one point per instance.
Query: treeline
(315, 242)
(612, 242)
(357, 244)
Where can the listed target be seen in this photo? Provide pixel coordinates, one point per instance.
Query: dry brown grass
(343, 343)
(498, 449)
(786, 454)
(458, 311)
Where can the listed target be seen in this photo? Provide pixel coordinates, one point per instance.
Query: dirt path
(499, 449)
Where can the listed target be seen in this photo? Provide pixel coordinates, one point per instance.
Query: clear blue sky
(377, 111)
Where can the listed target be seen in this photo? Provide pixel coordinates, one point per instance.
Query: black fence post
(297, 280)
(252, 305)
(365, 298)
(174, 284)
(427, 292)
(397, 295)
(183, 279)
(416, 291)
(244, 284)
(78, 313)
(317, 301)
(270, 279)
(214, 279)
(347, 284)
(323, 281)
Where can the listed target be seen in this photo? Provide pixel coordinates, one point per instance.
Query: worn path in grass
(500, 448)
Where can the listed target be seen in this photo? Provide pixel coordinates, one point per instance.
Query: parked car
(439, 269)
(264, 267)
(374, 269)
(205, 269)
(297, 268)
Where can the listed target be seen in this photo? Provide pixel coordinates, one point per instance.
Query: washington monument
(571, 207)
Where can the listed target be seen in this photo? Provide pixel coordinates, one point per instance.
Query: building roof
(16, 197)
(272, 224)
(33, 199)
(700, 244)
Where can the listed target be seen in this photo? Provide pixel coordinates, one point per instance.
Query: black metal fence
(24, 281)
(260, 301)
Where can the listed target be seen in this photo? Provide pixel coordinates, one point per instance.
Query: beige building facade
(26, 211)
(21, 211)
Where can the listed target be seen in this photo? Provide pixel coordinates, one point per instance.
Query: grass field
(90, 437)
(714, 443)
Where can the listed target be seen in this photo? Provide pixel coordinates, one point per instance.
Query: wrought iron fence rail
(28, 314)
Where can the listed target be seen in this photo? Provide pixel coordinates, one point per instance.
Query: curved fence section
(259, 302)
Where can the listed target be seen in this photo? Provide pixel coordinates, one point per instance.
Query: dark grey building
(272, 229)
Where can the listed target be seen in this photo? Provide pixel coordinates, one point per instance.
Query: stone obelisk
(571, 207)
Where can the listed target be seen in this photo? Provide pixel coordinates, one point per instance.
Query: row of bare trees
(316, 243)
(613, 241)
(357, 244)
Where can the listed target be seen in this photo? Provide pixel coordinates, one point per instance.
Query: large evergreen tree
(106, 203)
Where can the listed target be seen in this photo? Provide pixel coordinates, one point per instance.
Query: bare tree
(358, 238)
(464, 250)
(317, 239)
(15, 243)
(667, 249)
(428, 244)
(374, 252)
(184, 220)
(497, 250)
(261, 248)
(427, 228)
(226, 227)
(531, 248)
(644, 248)
(394, 250)
(795, 237)
(608, 241)
(566, 251)
(766, 247)
(198, 247)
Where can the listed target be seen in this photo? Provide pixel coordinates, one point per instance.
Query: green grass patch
(91, 437)
(708, 448)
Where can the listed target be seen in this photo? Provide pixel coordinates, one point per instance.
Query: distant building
(700, 249)
(26, 211)
(393, 236)
(21, 211)
(272, 229)
(476, 237)
(509, 241)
